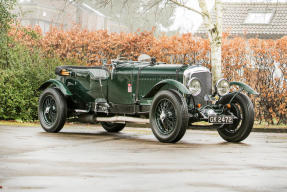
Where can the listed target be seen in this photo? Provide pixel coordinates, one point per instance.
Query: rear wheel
(113, 127)
(242, 108)
(169, 116)
(52, 110)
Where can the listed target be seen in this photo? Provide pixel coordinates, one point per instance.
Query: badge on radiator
(129, 88)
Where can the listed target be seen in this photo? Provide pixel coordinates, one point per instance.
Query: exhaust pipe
(89, 118)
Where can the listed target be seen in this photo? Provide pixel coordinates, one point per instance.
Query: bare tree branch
(151, 6)
(186, 7)
(104, 3)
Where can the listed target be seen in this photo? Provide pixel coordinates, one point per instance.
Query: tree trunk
(215, 51)
(215, 37)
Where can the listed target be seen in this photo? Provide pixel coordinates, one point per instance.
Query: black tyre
(52, 110)
(113, 127)
(242, 108)
(169, 116)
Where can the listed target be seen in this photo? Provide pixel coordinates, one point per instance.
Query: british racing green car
(170, 97)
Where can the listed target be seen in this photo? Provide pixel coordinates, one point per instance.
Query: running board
(123, 119)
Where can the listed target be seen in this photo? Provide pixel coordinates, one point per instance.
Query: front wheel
(52, 110)
(169, 116)
(242, 108)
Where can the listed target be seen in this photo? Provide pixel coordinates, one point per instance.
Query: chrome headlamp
(222, 87)
(194, 86)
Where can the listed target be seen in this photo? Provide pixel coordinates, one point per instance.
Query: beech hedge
(260, 63)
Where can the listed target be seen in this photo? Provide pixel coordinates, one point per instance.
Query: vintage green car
(170, 97)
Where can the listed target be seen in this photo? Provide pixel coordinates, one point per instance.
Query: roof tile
(234, 15)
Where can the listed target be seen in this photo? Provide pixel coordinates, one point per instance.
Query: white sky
(188, 21)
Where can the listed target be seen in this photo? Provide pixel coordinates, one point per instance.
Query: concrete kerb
(197, 127)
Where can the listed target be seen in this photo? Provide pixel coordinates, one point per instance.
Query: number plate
(220, 119)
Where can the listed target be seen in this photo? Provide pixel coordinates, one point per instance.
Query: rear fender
(61, 86)
(171, 82)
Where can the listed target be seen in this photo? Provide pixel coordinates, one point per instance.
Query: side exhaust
(89, 118)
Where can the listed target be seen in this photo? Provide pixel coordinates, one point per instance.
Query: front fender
(63, 88)
(171, 82)
(245, 87)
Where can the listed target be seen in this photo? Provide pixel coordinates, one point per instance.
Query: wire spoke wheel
(169, 116)
(49, 110)
(165, 116)
(52, 110)
(242, 109)
(237, 111)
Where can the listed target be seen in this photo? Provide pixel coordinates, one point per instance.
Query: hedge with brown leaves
(252, 61)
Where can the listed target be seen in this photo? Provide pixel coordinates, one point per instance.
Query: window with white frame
(258, 17)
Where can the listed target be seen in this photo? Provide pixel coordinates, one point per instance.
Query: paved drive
(85, 158)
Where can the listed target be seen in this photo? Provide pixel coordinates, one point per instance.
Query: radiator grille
(206, 86)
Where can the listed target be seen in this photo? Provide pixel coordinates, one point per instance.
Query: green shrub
(23, 68)
(27, 70)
